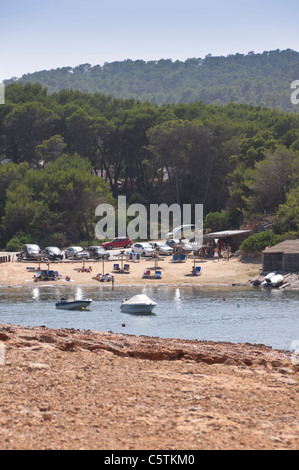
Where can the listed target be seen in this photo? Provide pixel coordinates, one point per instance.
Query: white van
(183, 231)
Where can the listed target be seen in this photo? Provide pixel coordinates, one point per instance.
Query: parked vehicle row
(52, 253)
(32, 251)
(148, 249)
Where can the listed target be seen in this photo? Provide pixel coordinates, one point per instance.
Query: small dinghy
(64, 304)
(138, 304)
(273, 280)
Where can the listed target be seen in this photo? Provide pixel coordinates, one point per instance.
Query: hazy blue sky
(45, 34)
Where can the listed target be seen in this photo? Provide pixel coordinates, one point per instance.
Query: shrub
(224, 220)
(259, 241)
(18, 240)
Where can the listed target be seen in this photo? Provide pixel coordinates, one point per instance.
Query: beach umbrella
(122, 256)
(180, 247)
(39, 262)
(195, 270)
(157, 258)
(195, 258)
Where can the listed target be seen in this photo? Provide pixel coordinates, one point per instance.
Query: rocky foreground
(75, 389)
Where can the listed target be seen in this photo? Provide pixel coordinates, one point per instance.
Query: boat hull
(275, 280)
(73, 305)
(140, 308)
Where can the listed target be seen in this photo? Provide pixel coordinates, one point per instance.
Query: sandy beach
(213, 273)
(76, 389)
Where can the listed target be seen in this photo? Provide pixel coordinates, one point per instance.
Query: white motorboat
(273, 280)
(73, 304)
(138, 304)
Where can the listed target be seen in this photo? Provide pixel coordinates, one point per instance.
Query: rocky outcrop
(74, 389)
(143, 347)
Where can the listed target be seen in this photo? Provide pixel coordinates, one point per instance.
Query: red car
(119, 242)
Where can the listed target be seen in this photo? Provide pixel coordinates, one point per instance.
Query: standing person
(216, 254)
(228, 251)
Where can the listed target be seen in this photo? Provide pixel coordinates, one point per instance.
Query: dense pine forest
(63, 153)
(255, 79)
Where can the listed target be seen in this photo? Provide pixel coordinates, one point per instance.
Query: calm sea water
(252, 315)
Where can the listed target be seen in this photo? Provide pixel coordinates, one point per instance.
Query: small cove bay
(236, 315)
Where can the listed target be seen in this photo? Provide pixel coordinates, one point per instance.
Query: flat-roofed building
(282, 257)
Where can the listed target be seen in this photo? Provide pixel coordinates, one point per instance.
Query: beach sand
(76, 389)
(213, 273)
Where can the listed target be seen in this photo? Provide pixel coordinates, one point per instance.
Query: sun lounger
(116, 268)
(158, 275)
(126, 268)
(146, 273)
(196, 271)
(175, 258)
(134, 256)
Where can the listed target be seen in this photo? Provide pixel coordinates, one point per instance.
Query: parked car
(52, 252)
(119, 242)
(171, 242)
(29, 251)
(98, 252)
(162, 248)
(76, 252)
(143, 249)
(183, 231)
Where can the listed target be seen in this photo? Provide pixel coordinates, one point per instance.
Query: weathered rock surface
(75, 389)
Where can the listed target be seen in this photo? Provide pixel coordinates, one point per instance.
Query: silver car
(30, 251)
(76, 252)
(162, 248)
(98, 252)
(143, 249)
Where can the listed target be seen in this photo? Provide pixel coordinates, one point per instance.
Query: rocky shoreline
(78, 389)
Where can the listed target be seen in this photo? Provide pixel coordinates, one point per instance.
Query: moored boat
(73, 304)
(138, 304)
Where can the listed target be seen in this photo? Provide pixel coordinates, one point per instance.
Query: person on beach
(228, 251)
(216, 254)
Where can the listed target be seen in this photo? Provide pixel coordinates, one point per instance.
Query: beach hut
(282, 257)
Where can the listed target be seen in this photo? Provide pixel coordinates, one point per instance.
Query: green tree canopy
(60, 198)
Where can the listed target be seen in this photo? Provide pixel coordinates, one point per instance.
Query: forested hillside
(255, 79)
(237, 160)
